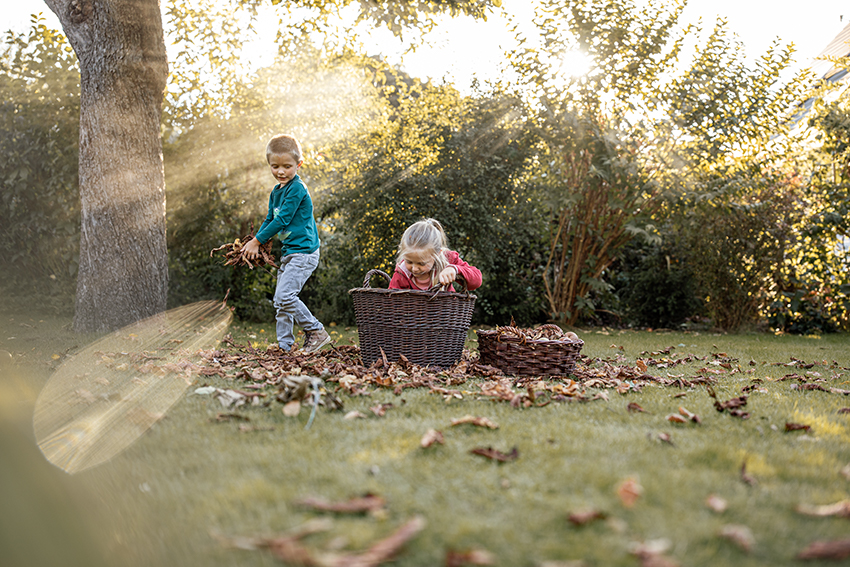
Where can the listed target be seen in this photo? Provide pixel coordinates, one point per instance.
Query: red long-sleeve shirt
(403, 278)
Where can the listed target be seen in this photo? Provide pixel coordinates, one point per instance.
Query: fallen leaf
(361, 504)
(844, 410)
(230, 416)
(665, 438)
(651, 554)
(692, 416)
(291, 409)
(585, 517)
(432, 436)
(840, 509)
(385, 549)
(641, 365)
(677, 418)
(836, 549)
(738, 534)
(716, 503)
(479, 421)
(495, 455)
(745, 476)
(796, 427)
(469, 557)
(634, 407)
(354, 415)
(381, 409)
(629, 491)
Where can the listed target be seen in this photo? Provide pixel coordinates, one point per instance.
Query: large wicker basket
(428, 327)
(525, 357)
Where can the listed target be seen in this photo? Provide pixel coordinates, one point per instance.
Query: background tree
(596, 159)
(39, 119)
(123, 257)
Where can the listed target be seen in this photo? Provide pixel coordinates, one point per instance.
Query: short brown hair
(284, 144)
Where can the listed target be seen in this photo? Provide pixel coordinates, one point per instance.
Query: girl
(424, 260)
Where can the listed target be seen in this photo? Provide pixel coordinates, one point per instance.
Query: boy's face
(284, 167)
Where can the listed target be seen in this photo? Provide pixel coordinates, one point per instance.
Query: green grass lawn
(191, 486)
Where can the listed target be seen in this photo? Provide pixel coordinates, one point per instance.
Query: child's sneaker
(316, 340)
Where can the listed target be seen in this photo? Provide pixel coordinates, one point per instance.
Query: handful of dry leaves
(235, 255)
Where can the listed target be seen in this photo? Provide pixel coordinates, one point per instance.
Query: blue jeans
(294, 271)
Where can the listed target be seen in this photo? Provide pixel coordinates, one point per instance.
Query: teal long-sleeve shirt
(291, 217)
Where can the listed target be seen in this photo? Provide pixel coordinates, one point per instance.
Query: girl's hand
(252, 249)
(448, 275)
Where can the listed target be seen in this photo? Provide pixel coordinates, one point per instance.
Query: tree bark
(123, 275)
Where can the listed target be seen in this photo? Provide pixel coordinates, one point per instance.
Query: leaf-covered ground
(664, 449)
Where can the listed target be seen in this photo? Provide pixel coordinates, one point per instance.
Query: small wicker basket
(428, 327)
(518, 356)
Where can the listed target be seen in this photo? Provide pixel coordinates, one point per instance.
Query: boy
(291, 217)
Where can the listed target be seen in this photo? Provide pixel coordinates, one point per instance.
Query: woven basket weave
(428, 327)
(525, 357)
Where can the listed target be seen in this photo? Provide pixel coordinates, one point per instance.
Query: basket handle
(367, 281)
(458, 279)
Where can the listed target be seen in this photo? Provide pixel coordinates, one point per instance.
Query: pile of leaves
(541, 333)
(234, 253)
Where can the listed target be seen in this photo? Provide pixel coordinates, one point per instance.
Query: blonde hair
(284, 144)
(426, 237)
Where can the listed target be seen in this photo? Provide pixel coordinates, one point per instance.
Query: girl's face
(419, 263)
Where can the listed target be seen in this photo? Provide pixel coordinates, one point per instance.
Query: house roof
(838, 47)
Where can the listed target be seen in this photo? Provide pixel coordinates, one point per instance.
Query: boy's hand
(252, 249)
(448, 275)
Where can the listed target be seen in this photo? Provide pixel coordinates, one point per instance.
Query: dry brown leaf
(469, 557)
(747, 478)
(738, 534)
(354, 415)
(629, 491)
(381, 409)
(651, 554)
(385, 549)
(292, 409)
(361, 504)
(665, 438)
(634, 407)
(691, 416)
(677, 418)
(479, 421)
(796, 427)
(641, 365)
(495, 455)
(585, 517)
(716, 503)
(432, 436)
(836, 549)
(840, 509)
(231, 416)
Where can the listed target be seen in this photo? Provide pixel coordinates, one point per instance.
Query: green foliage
(737, 246)
(39, 114)
(657, 289)
(595, 163)
(814, 293)
(460, 161)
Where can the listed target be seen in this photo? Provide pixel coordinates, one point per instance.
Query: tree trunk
(123, 274)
